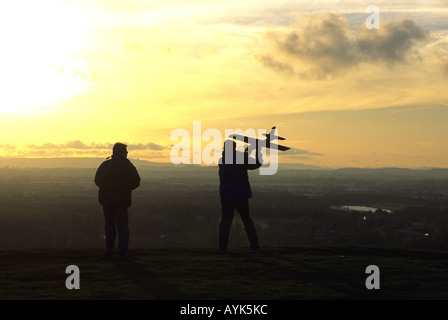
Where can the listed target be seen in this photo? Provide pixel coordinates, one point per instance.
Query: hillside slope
(204, 274)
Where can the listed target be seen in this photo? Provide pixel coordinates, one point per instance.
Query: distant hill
(275, 273)
(63, 162)
(393, 173)
(95, 162)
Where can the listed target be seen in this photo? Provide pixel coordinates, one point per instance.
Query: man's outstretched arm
(251, 163)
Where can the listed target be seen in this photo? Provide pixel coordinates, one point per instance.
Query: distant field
(284, 273)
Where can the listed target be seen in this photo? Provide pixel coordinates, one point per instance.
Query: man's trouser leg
(123, 231)
(109, 228)
(225, 224)
(243, 209)
(116, 219)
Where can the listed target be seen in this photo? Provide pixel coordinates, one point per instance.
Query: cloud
(77, 148)
(445, 68)
(392, 44)
(275, 65)
(325, 45)
(295, 151)
(76, 144)
(79, 145)
(7, 147)
(148, 146)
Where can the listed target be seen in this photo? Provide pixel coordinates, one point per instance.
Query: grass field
(285, 273)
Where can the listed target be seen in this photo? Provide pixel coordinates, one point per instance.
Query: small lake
(360, 209)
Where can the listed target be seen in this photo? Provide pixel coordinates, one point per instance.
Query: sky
(78, 76)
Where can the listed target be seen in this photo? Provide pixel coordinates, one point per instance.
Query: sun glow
(38, 60)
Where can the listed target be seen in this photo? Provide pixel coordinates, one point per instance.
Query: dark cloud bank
(79, 145)
(325, 45)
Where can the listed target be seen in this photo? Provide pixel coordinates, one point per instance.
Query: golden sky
(77, 76)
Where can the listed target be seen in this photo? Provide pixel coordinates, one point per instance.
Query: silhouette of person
(235, 191)
(116, 178)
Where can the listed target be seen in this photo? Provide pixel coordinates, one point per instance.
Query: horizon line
(307, 166)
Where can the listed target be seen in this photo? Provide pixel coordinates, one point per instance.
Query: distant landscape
(52, 203)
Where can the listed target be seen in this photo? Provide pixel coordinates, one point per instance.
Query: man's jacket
(116, 179)
(234, 180)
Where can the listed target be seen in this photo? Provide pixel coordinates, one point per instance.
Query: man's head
(120, 150)
(229, 145)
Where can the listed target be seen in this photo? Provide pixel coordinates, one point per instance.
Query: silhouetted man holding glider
(235, 191)
(116, 178)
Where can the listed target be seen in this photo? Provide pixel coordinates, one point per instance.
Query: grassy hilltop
(204, 274)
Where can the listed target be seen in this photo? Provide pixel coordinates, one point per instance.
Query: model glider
(262, 143)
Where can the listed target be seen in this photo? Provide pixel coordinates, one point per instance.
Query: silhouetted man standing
(235, 192)
(116, 179)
